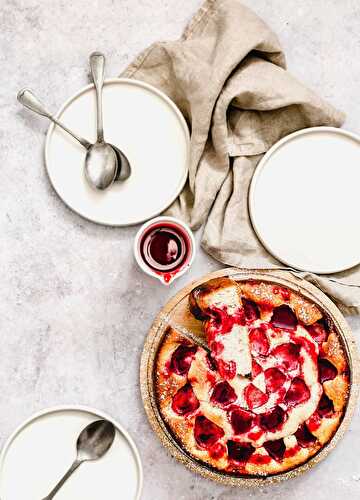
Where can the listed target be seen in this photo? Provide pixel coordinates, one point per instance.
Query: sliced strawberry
(275, 449)
(223, 394)
(325, 407)
(239, 452)
(182, 358)
(227, 369)
(298, 392)
(259, 343)
(251, 310)
(287, 355)
(241, 420)
(273, 419)
(255, 369)
(318, 331)
(284, 317)
(304, 436)
(254, 397)
(206, 432)
(185, 401)
(327, 370)
(274, 379)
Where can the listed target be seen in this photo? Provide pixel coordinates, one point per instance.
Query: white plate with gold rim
(147, 126)
(41, 450)
(304, 200)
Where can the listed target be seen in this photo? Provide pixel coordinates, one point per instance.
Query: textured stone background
(72, 327)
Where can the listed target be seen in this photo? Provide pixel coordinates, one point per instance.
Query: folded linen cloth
(227, 74)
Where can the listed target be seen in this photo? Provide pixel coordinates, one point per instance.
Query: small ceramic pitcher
(166, 274)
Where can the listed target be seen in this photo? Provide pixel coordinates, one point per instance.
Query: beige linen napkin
(227, 75)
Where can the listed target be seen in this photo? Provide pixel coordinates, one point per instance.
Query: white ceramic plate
(40, 451)
(304, 200)
(147, 126)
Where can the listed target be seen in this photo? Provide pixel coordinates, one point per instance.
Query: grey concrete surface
(71, 330)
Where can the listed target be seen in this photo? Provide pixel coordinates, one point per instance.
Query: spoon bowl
(101, 165)
(95, 440)
(124, 168)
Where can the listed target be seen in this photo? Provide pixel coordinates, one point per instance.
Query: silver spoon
(97, 65)
(124, 168)
(93, 442)
(100, 162)
(28, 99)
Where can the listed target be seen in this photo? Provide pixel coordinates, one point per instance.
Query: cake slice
(218, 304)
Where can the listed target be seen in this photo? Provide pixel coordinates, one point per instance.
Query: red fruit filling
(251, 310)
(309, 347)
(254, 397)
(223, 394)
(211, 362)
(325, 407)
(216, 347)
(255, 369)
(260, 459)
(217, 451)
(284, 292)
(206, 432)
(298, 392)
(284, 317)
(290, 452)
(273, 419)
(304, 436)
(313, 422)
(259, 343)
(241, 420)
(227, 370)
(319, 332)
(239, 452)
(287, 355)
(185, 401)
(221, 322)
(327, 370)
(182, 358)
(274, 379)
(275, 449)
(254, 436)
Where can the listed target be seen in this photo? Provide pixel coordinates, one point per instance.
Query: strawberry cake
(271, 390)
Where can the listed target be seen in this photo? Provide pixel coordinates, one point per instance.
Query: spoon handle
(30, 101)
(97, 65)
(53, 492)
